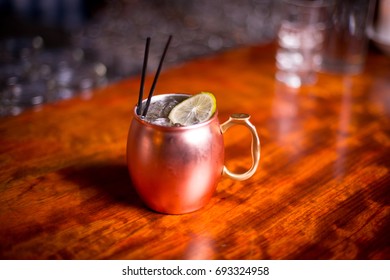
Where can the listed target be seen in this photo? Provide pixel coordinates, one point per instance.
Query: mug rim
(172, 128)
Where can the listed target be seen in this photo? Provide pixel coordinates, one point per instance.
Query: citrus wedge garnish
(196, 109)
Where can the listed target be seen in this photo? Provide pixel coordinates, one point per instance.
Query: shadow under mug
(175, 170)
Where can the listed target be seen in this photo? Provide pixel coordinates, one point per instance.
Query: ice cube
(159, 109)
(161, 122)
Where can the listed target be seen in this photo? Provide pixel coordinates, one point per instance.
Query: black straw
(145, 65)
(156, 77)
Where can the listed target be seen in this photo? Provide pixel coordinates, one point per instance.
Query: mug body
(175, 170)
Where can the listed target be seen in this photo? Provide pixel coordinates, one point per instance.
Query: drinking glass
(300, 40)
(346, 40)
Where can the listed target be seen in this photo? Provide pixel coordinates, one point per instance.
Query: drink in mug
(175, 169)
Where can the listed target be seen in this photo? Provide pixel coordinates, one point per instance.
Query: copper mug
(175, 170)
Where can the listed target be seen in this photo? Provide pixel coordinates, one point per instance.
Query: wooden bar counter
(322, 190)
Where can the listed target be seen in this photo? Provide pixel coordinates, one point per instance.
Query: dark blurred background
(57, 49)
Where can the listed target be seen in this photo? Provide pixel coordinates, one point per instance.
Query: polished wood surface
(322, 190)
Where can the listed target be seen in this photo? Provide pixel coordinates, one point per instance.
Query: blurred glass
(31, 75)
(346, 40)
(300, 40)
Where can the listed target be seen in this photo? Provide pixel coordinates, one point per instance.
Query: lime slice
(193, 110)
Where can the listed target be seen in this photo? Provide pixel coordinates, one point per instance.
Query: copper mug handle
(243, 119)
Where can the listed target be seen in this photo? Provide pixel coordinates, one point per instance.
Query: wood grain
(322, 190)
